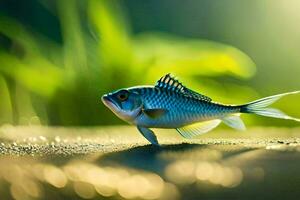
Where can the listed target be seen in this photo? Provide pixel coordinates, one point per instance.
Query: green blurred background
(58, 57)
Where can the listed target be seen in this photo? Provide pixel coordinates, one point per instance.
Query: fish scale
(182, 110)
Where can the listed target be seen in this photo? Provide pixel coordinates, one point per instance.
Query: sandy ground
(118, 163)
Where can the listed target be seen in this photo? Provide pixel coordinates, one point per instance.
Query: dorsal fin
(169, 82)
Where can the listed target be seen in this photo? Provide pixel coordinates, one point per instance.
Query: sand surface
(118, 163)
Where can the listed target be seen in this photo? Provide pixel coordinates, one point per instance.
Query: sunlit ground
(117, 163)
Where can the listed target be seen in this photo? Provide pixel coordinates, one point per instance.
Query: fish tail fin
(260, 107)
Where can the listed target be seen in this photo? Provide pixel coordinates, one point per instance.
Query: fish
(171, 105)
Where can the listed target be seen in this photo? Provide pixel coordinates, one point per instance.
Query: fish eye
(123, 96)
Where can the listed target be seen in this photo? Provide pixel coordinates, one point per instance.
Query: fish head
(124, 103)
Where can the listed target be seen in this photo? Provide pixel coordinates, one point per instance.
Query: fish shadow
(156, 159)
(146, 157)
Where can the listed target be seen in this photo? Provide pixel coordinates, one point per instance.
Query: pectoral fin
(149, 135)
(154, 113)
(198, 128)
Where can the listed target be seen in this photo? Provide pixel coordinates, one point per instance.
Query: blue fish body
(179, 110)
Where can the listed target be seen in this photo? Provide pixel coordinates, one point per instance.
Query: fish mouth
(107, 101)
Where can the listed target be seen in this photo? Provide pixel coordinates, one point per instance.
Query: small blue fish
(169, 104)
